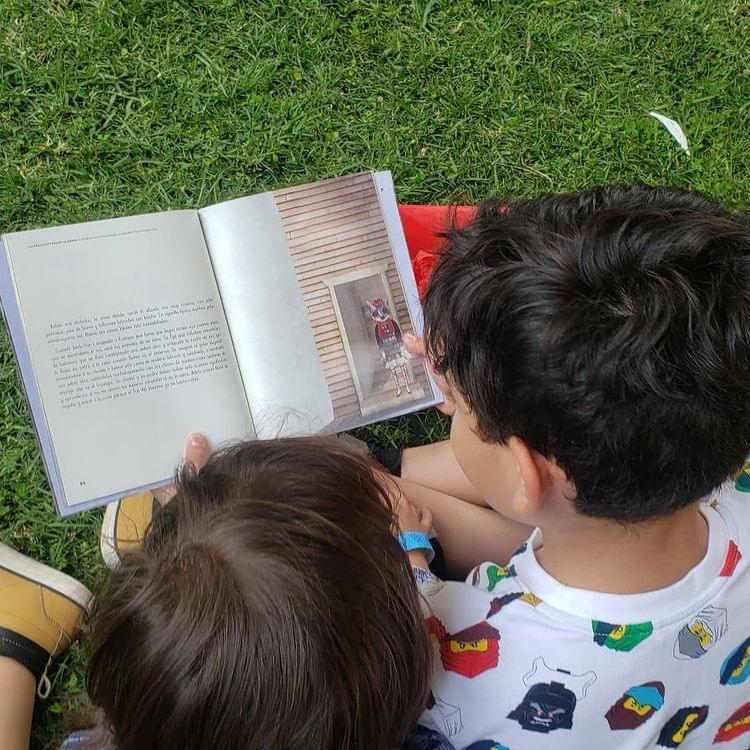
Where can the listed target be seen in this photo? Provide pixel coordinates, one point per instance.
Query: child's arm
(435, 466)
(469, 534)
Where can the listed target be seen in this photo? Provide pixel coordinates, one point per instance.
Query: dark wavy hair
(269, 607)
(609, 330)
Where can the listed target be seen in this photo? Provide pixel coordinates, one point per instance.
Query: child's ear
(528, 498)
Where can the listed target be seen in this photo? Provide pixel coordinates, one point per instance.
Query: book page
(276, 353)
(129, 347)
(314, 291)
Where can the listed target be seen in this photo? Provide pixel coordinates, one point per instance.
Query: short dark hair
(270, 607)
(610, 330)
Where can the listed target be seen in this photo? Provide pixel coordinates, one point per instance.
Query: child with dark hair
(270, 606)
(597, 347)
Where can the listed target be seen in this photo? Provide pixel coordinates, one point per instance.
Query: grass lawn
(115, 107)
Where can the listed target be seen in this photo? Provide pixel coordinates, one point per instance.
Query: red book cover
(422, 227)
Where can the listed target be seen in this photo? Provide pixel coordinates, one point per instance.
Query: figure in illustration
(388, 335)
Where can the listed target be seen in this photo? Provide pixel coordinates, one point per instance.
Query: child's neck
(599, 555)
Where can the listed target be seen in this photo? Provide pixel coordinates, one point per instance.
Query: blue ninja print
(742, 482)
(736, 667)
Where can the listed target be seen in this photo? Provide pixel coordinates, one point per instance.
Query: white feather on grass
(674, 130)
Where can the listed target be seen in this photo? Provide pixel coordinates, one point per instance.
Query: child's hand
(196, 453)
(413, 518)
(415, 346)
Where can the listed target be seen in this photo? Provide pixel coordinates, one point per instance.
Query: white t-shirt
(523, 662)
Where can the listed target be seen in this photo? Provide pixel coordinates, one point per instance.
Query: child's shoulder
(731, 504)
(591, 662)
(724, 574)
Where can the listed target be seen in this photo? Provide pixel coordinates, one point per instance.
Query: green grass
(113, 107)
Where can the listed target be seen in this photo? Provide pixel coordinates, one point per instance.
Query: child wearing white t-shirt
(517, 652)
(597, 349)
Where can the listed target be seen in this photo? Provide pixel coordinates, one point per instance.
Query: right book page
(319, 291)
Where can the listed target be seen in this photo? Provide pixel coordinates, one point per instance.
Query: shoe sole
(43, 575)
(107, 536)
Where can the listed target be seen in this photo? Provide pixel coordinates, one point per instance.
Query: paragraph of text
(123, 354)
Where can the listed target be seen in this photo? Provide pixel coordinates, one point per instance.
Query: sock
(389, 459)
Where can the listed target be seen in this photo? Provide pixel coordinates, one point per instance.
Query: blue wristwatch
(413, 540)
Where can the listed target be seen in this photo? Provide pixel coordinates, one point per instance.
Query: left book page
(123, 347)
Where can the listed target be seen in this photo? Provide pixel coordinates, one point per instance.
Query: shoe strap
(44, 686)
(389, 458)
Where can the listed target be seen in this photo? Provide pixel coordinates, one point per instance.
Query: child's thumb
(425, 519)
(414, 345)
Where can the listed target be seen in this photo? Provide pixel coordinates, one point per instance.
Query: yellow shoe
(41, 612)
(124, 526)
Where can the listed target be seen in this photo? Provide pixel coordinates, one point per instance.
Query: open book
(275, 314)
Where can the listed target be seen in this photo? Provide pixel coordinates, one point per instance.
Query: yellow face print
(631, 704)
(459, 647)
(704, 636)
(679, 735)
(618, 632)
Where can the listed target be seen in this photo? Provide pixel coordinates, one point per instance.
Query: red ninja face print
(738, 723)
(469, 652)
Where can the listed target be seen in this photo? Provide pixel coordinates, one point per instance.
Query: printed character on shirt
(682, 723)
(621, 637)
(470, 651)
(637, 705)
(736, 667)
(701, 633)
(551, 699)
(738, 723)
